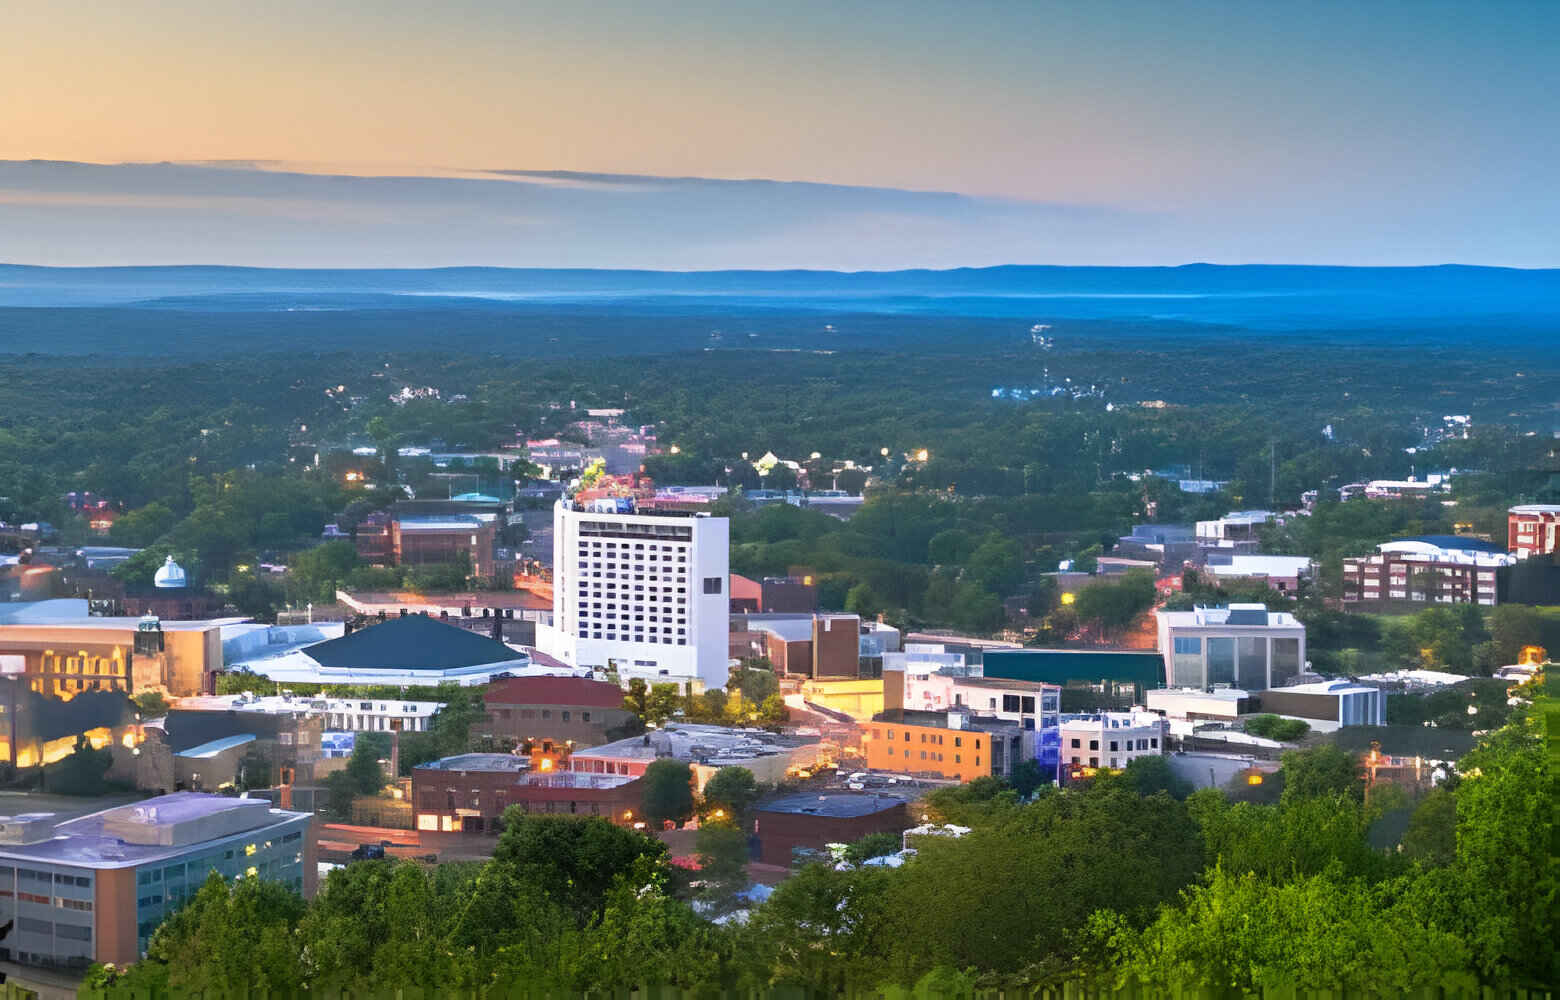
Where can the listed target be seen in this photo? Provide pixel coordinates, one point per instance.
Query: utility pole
(1272, 473)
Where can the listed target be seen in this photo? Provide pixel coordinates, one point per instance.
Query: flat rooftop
(99, 840)
(1006, 684)
(291, 704)
(585, 780)
(691, 742)
(479, 762)
(939, 720)
(834, 806)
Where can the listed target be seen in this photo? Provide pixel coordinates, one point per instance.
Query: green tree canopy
(668, 791)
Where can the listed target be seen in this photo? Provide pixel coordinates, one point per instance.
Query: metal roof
(412, 642)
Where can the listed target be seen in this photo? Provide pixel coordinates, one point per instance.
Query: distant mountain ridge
(1258, 295)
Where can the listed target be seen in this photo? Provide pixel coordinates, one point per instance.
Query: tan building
(58, 649)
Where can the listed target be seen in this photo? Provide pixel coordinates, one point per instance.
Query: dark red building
(561, 709)
(812, 821)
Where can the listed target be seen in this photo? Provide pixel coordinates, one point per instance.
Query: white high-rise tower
(644, 594)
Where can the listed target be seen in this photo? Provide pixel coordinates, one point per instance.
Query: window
(1075, 744)
(712, 585)
(1094, 744)
(1113, 747)
(1186, 663)
(1252, 672)
(1221, 661)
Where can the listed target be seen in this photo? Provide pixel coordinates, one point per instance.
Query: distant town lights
(676, 450)
(921, 455)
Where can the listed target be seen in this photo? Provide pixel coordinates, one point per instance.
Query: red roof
(581, 691)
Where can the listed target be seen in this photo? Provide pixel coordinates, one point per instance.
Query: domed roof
(170, 576)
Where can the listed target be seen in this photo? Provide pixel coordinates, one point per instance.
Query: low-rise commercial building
(1108, 740)
(1329, 705)
(773, 594)
(857, 698)
(94, 889)
(1031, 704)
(574, 710)
(955, 745)
(465, 795)
(1197, 705)
(1238, 528)
(1284, 574)
(359, 715)
(770, 756)
(1243, 645)
(574, 793)
(794, 823)
(809, 645)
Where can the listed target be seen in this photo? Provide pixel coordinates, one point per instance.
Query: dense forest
(240, 460)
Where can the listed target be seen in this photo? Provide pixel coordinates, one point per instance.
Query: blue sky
(1379, 132)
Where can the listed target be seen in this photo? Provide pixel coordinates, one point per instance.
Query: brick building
(464, 795)
(802, 645)
(1533, 529)
(815, 821)
(1435, 569)
(434, 539)
(561, 709)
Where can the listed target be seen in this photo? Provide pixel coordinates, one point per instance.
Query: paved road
(50, 985)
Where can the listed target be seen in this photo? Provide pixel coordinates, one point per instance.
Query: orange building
(953, 745)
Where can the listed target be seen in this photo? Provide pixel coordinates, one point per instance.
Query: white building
(1236, 526)
(1032, 704)
(1244, 646)
(382, 715)
(641, 594)
(1329, 705)
(1282, 573)
(1111, 739)
(407, 651)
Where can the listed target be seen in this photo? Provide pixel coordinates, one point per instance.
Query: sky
(1115, 132)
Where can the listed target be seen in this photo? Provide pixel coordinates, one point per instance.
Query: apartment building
(1533, 529)
(1244, 646)
(1434, 569)
(1031, 704)
(639, 595)
(1109, 741)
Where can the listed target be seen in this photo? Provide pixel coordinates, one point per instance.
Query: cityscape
(1042, 501)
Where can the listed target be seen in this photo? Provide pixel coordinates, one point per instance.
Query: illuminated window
(249, 850)
(428, 821)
